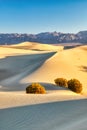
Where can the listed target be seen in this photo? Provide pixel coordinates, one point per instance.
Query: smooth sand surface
(15, 68)
(37, 46)
(19, 66)
(13, 99)
(71, 63)
(66, 115)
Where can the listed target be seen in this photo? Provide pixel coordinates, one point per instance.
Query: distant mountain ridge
(46, 37)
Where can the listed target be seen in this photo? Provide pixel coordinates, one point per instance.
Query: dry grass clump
(75, 85)
(61, 82)
(35, 88)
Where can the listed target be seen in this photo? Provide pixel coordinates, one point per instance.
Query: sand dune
(69, 64)
(19, 66)
(66, 115)
(13, 99)
(15, 68)
(38, 46)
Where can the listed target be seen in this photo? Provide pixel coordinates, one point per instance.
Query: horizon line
(41, 32)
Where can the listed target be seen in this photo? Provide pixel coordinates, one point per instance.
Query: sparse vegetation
(75, 85)
(35, 88)
(72, 84)
(61, 82)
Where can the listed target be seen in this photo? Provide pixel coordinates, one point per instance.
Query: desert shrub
(61, 82)
(35, 88)
(75, 85)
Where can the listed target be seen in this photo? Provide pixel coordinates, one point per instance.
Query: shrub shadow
(83, 68)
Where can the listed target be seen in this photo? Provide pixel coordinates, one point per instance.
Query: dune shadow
(83, 68)
(15, 68)
(71, 47)
(48, 116)
(51, 86)
(22, 86)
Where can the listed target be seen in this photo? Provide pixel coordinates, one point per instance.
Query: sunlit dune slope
(69, 64)
(19, 67)
(37, 46)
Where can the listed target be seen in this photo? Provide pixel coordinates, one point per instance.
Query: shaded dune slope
(15, 68)
(67, 115)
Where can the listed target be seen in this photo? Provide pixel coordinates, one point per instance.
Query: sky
(35, 16)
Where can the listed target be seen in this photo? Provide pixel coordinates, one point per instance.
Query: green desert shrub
(61, 82)
(35, 88)
(75, 85)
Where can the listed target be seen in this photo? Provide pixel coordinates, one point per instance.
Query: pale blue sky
(35, 16)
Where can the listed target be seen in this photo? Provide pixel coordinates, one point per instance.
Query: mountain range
(46, 37)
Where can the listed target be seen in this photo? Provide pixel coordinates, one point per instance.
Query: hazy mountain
(46, 37)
